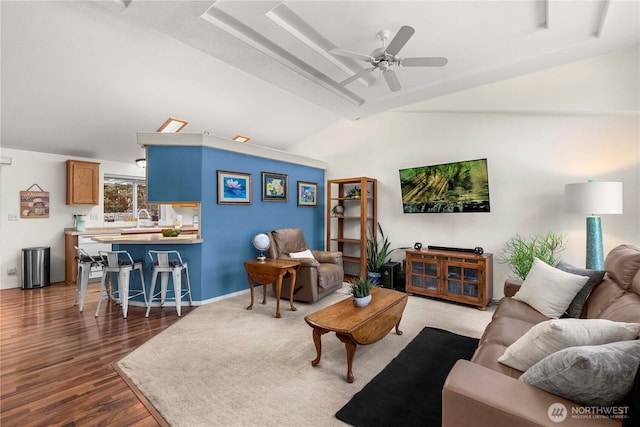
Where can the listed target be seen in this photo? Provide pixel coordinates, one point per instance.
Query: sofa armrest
(511, 286)
(477, 396)
(328, 257)
(304, 262)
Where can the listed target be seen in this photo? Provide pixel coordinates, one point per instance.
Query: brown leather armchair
(317, 277)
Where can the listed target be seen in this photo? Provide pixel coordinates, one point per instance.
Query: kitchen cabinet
(456, 276)
(351, 211)
(83, 183)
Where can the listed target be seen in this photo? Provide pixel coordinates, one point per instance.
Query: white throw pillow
(554, 335)
(303, 254)
(548, 289)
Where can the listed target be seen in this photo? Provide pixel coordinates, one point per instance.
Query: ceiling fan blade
(423, 62)
(401, 38)
(356, 76)
(392, 80)
(350, 54)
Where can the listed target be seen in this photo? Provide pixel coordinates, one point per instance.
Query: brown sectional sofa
(484, 392)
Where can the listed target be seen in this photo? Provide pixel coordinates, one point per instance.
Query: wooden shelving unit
(348, 232)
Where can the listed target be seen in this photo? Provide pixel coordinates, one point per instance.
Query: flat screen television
(448, 187)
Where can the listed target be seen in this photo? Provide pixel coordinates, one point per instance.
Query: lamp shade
(595, 198)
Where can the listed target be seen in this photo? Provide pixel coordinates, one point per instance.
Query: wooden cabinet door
(83, 183)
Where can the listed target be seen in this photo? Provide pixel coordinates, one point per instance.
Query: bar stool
(165, 262)
(85, 263)
(120, 262)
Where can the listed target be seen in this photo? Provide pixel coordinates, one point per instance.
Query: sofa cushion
(506, 330)
(599, 375)
(487, 355)
(548, 289)
(553, 335)
(509, 307)
(595, 277)
(289, 240)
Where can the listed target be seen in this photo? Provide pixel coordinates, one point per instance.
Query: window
(124, 197)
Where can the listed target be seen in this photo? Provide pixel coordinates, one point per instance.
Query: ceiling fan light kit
(385, 58)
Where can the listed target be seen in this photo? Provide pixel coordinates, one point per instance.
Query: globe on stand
(261, 242)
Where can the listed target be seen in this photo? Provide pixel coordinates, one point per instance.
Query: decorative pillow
(595, 277)
(633, 417)
(549, 290)
(599, 375)
(303, 254)
(553, 335)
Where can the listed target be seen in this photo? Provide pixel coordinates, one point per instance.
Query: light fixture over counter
(173, 125)
(241, 138)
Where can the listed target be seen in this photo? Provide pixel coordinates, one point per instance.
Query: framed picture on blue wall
(307, 193)
(275, 187)
(234, 188)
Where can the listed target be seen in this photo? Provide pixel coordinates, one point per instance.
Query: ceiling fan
(385, 58)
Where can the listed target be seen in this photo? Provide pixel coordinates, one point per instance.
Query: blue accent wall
(190, 174)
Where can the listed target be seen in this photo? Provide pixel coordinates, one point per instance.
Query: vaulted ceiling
(81, 78)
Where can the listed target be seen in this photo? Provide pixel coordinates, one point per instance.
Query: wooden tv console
(456, 276)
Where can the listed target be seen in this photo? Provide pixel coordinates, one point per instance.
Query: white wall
(49, 172)
(534, 145)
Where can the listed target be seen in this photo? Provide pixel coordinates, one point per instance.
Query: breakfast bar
(139, 245)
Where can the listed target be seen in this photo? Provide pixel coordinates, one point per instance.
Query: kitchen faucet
(143, 222)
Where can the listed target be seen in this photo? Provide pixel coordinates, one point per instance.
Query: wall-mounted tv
(448, 187)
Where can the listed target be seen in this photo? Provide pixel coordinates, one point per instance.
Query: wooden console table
(268, 272)
(358, 325)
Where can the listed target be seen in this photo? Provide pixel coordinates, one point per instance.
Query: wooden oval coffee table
(358, 325)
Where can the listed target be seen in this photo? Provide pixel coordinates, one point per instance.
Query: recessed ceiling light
(173, 125)
(241, 138)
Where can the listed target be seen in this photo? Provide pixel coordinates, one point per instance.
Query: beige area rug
(227, 366)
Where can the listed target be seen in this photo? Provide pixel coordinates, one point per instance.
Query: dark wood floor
(56, 363)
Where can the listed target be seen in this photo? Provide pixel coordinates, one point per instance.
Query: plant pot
(362, 302)
(374, 277)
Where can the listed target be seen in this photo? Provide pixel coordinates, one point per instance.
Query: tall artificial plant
(518, 253)
(377, 250)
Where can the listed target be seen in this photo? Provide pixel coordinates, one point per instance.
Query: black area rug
(408, 391)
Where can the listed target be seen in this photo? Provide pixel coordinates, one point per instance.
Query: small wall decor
(307, 193)
(234, 188)
(275, 187)
(34, 204)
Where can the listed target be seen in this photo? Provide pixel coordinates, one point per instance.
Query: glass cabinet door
(462, 280)
(424, 275)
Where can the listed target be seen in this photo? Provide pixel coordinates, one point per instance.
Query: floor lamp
(594, 198)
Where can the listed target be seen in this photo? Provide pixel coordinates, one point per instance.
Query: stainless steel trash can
(35, 267)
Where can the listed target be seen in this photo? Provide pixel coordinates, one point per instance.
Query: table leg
(264, 294)
(278, 292)
(317, 340)
(351, 352)
(398, 331)
(251, 289)
(293, 273)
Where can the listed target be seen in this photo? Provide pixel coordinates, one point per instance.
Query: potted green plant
(353, 193)
(361, 291)
(518, 253)
(378, 252)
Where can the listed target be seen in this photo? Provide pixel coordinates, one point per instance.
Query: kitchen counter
(149, 238)
(123, 230)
